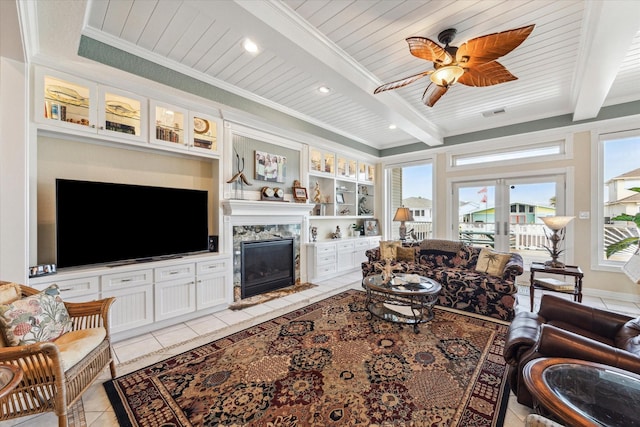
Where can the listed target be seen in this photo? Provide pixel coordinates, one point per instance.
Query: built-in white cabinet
(73, 104)
(340, 186)
(334, 257)
(180, 129)
(133, 291)
(175, 290)
(150, 295)
(211, 289)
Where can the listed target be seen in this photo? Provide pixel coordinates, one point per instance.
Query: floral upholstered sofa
(473, 279)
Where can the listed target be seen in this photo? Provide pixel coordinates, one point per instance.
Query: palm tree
(627, 241)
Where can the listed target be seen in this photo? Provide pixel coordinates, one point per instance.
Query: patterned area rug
(328, 364)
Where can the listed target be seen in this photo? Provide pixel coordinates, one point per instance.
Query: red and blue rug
(328, 364)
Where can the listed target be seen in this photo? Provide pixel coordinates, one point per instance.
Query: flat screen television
(99, 222)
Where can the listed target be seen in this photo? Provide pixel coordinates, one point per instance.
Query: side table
(10, 377)
(582, 393)
(568, 270)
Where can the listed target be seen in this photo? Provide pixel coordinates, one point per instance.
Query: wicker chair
(46, 386)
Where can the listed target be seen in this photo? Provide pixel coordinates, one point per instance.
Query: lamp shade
(447, 75)
(556, 223)
(403, 214)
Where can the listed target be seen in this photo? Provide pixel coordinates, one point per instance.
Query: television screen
(98, 222)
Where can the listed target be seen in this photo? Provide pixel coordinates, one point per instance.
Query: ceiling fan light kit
(472, 64)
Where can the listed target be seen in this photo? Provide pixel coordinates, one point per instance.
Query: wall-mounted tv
(99, 222)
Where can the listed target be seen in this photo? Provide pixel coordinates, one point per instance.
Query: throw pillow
(388, 249)
(405, 254)
(492, 262)
(37, 318)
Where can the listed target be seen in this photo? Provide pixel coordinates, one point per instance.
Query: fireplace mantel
(267, 208)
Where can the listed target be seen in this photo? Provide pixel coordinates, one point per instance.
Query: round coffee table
(582, 393)
(406, 298)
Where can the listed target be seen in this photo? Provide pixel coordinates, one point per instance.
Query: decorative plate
(122, 109)
(267, 191)
(279, 192)
(200, 125)
(66, 95)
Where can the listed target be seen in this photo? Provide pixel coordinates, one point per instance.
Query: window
(620, 174)
(547, 150)
(411, 186)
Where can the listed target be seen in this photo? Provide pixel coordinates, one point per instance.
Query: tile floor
(135, 353)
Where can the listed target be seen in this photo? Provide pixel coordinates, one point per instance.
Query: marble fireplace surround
(251, 220)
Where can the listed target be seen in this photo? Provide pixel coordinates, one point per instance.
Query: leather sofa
(563, 328)
(453, 264)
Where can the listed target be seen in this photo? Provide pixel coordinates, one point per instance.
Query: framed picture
(371, 227)
(270, 167)
(339, 198)
(300, 194)
(41, 270)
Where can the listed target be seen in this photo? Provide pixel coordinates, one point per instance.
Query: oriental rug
(328, 364)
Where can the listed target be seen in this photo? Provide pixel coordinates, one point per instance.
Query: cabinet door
(345, 255)
(205, 133)
(174, 298)
(122, 114)
(167, 126)
(132, 308)
(65, 101)
(211, 290)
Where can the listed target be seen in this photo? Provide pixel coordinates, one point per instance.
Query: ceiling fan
(472, 64)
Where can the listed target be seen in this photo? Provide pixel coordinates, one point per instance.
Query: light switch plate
(584, 215)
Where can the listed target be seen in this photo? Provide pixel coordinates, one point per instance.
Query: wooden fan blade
(432, 94)
(491, 47)
(489, 74)
(428, 50)
(402, 82)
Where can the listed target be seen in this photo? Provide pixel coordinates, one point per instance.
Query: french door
(504, 213)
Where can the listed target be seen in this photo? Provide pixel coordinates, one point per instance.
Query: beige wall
(596, 282)
(61, 158)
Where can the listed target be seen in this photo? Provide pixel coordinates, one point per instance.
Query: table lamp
(556, 224)
(403, 214)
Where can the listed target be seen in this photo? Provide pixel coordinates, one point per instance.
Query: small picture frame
(339, 198)
(42, 270)
(300, 194)
(371, 227)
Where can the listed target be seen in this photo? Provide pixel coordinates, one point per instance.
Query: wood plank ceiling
(580, 57)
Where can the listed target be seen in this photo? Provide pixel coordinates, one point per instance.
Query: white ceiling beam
(390, 106)
(608, 33)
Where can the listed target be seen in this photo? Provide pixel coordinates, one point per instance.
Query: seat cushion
(75, 345)
(36, 318)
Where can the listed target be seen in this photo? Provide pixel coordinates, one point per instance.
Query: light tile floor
(141, 351)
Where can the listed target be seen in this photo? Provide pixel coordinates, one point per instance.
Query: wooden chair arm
(38, 361)
(90, 314)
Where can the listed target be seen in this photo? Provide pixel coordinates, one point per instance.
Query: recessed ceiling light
(324, 89)
(392, 127)
(250, 46)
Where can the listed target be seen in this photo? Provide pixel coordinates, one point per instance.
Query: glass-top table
(582, 393)
(406, 298)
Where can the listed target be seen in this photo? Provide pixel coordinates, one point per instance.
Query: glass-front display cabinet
(66, 101)
(123, 114)
(167, 125)
(203, 135)
(322, 162)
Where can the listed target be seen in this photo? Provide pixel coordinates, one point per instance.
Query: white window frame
(388, 214)
(598, 137)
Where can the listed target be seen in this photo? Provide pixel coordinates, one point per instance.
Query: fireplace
(266, 265)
